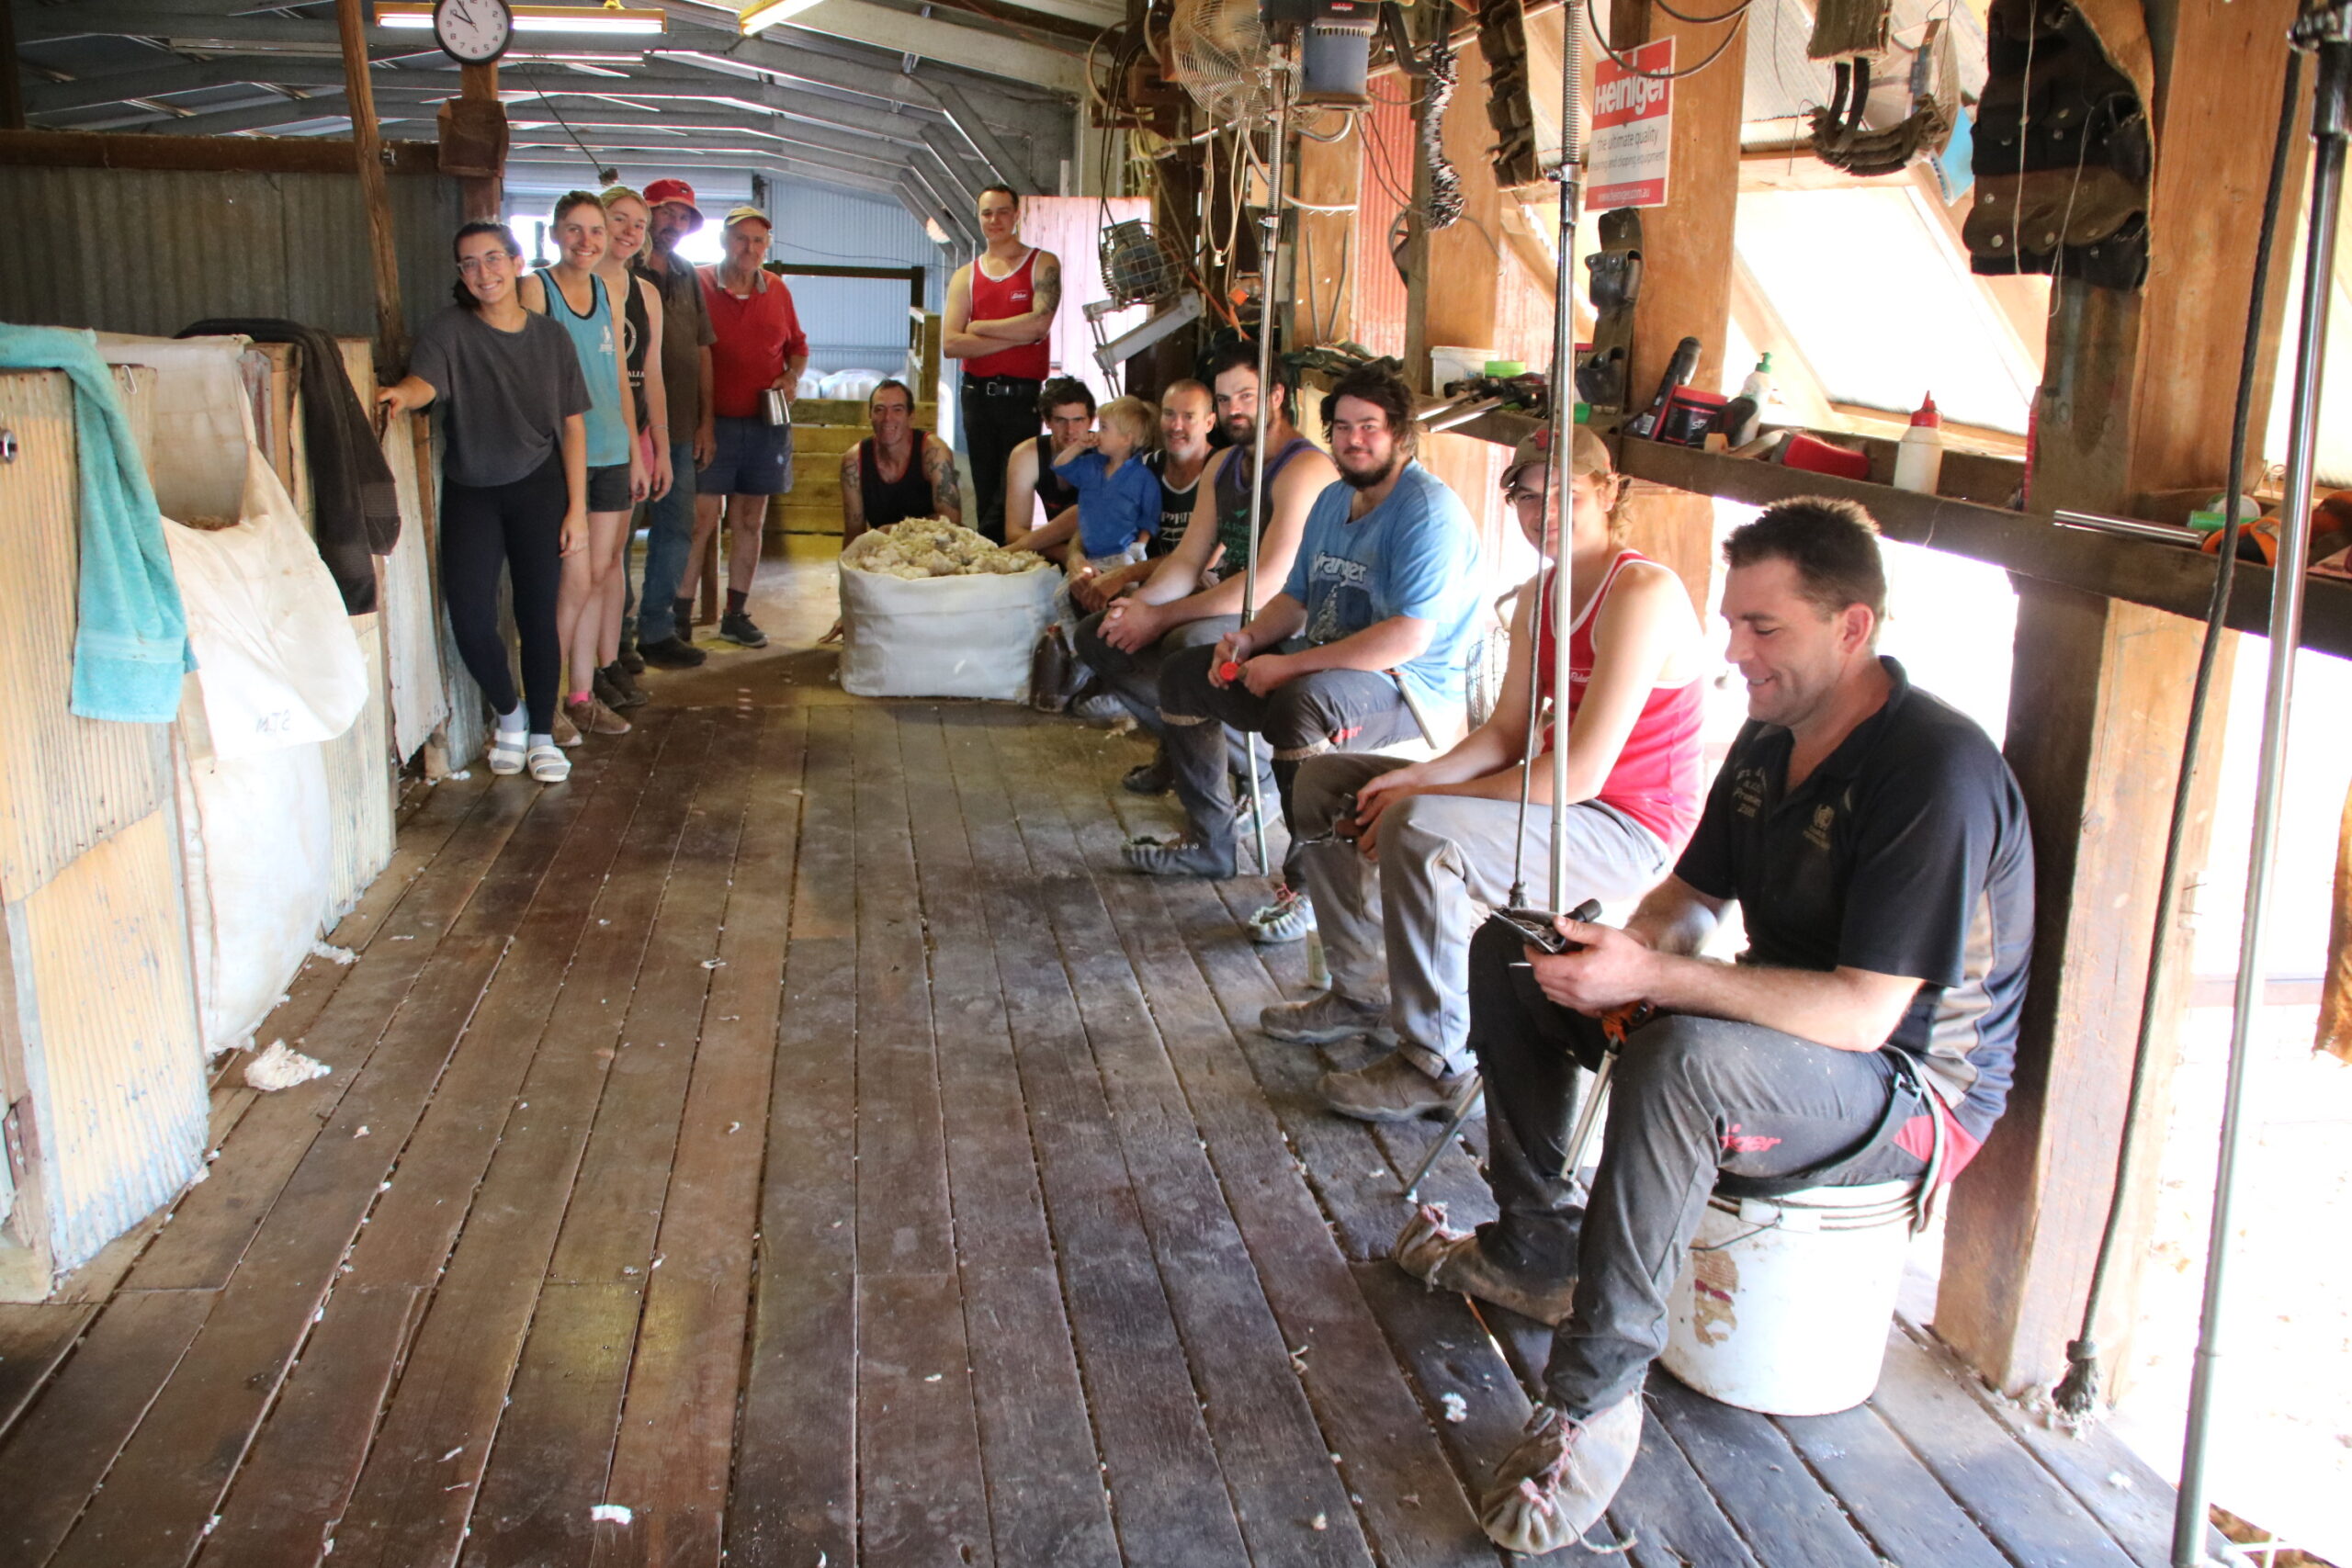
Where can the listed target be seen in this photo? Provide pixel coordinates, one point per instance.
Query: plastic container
(1824, 458)
(1758, 391)
(1920, 460)
(1451, 362)
(1782, 1303)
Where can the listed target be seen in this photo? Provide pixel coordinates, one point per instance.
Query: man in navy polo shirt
(1875, 842)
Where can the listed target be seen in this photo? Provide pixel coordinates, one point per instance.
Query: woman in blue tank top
(571, 295)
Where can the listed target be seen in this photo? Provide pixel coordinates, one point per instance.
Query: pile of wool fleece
(932, 547)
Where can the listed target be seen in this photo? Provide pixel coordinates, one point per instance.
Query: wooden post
(482, 197)
(2133, 411)
(392, 333)
(1687, 265)
(11, 87)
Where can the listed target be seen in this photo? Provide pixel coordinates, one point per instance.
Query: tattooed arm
(1037, 322)
(946, 492)
(852, 497)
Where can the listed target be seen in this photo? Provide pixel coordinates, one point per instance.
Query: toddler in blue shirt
(1118, 496)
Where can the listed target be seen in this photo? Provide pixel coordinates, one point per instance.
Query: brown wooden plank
(2012, 1498)
(1166, 1494)
(33, 1340)
(677, 1436)
(57, 1454)
(171, 1475)
(796, 1484)
(1895, 1500)
(407, 1242)
(450, 1396)
(1035, 1434)
(921, 1496)
(1363, 1408)
(302, 1466)
(214, 1223)
(554, 1442)
(1787, 1517)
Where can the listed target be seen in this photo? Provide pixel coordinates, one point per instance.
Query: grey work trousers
(1397, 930)
(1694, 1101)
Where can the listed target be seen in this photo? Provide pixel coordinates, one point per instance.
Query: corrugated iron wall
(150, 250)
(853, 324)
(1386, 182)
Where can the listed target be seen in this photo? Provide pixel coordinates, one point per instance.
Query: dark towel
(358, 510)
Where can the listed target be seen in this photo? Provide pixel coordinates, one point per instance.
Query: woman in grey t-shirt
(514, 483)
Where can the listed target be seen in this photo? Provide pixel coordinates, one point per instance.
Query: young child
(1118, 497)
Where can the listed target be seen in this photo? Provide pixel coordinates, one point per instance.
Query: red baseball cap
(679, 191)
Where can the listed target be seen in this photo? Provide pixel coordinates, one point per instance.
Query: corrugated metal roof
(150, 250)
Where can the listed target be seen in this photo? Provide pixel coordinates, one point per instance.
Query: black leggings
(521, 525)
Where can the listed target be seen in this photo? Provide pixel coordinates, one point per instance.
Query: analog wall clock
(473, 32)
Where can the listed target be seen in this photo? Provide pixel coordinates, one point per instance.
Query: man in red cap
(664, 630)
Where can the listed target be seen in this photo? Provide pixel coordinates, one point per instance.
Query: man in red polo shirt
(759, 345)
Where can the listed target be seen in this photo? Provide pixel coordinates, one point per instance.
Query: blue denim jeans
(669, 537)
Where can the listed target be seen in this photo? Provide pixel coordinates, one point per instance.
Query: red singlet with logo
(1657, 780)
(997, 299)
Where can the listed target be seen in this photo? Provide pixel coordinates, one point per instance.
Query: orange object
(1228, 671)
(2262, 535)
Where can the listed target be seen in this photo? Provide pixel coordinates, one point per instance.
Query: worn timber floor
(798, 1134)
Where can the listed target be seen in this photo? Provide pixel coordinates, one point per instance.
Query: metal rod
(2128, 527)
(2331, 120)
(1453, 1125)
(1588, 1119)
(1268, 249)
(1558, 506)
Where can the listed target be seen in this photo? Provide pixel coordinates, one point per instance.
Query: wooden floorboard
(803, 1141)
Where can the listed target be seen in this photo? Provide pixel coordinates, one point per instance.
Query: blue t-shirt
(1112, 508)
(1415, 554)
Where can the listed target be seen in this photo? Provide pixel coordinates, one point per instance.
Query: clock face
(473, 31)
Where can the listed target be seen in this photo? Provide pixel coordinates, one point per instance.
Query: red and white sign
(1632, 129)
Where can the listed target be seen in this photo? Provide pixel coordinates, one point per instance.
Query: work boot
(1177, 857)
(565, 733)
(592, 717)
(673, 653)
(1101, 710)
(629, 660)
(736, 627)
(1559, 1480)
(1323, 1018)
(1456, 1261)
(1149, 778)
(617, 688)
(1394, 1089)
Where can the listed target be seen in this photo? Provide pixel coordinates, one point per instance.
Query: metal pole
(1559, 510)
(2331, 120)
(1270, 239)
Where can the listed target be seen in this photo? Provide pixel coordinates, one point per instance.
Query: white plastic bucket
(1782, 1302)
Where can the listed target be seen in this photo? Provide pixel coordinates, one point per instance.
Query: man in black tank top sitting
(899, 471)
(1187, 414)
(1124, 644)
(1066, 405)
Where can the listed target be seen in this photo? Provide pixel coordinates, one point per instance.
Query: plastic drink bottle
(1920, 460)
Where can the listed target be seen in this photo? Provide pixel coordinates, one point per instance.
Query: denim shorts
(608, 489)
(753, 458)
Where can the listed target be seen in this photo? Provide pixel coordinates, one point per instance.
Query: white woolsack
(963, 633)
(257, 865)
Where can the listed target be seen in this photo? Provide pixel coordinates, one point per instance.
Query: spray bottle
(1745, 412)
(1920, 460)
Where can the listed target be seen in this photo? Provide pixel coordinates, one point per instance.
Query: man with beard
(662, 636)
(1187, 413)
(1126, 644)
(1371, 625)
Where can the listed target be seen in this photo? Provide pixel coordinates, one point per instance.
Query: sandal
(548, 765)
(506, 752)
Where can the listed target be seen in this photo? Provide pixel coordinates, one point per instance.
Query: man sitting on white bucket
(1876, 844)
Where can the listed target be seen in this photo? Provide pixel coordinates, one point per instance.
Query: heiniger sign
(1633, 129)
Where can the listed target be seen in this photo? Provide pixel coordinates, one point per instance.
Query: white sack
(943, 637)
(257, 860)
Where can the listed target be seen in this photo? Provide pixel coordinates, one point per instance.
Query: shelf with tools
(1973, 522)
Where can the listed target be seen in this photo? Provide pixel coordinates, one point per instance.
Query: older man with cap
(1415, 850)
(757, 347)
(663, 634)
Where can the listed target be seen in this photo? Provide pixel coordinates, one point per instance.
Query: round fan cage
(1138, 268)
(1218, 50)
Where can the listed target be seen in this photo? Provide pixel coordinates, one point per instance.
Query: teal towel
(130, 642)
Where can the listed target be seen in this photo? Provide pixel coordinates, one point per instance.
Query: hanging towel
(356, 509)
(130, 635)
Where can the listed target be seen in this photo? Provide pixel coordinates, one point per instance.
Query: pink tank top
(1656, 779)
(994, 299)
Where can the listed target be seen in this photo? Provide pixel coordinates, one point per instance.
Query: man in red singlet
(1001, 311)
(1397, 885)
